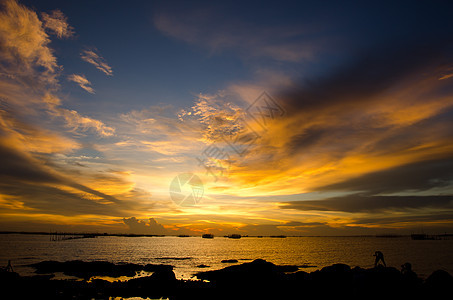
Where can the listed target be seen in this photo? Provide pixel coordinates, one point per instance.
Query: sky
(250, 117)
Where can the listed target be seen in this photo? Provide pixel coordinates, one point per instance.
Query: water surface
(187, 253)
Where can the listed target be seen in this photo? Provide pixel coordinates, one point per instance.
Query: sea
(186, 254)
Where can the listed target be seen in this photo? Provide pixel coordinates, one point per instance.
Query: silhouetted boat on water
(234, 236)
(389, 235)
(207, 236)
(422, 236)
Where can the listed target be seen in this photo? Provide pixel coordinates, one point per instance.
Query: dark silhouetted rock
(164, 274)
(257, 270)
(337, 269)
(439, 278)
(258, 279)
(229, 261)
(438, 284)
(156, 268)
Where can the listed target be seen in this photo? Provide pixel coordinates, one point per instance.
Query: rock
(157, 268)
(8, 276)
(338, 277)
(229, 261)
(256, 271)
(439, 279)
(164, 275)
(337, 268)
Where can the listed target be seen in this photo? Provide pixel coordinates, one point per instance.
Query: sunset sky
(299, 118)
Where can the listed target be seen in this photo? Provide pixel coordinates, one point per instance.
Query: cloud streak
(91, 57)
(206, 28)
(82, 82)
(363, 203)
(386, 110)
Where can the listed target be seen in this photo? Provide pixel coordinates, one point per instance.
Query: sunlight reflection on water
(136, 298)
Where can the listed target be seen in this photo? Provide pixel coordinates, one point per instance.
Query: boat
(234, 236)
(183, 235)
(389, 235)
(207, 236)
(422, 236)
(278, 236)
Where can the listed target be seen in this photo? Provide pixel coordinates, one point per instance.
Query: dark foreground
(254, 280)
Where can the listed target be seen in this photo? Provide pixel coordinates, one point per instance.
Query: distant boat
(389, 235)
(234, 236)
(183, 235)
(207, 236)
(278, 236)
(422, 236)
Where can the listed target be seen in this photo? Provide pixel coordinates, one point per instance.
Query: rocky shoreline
(258, 279)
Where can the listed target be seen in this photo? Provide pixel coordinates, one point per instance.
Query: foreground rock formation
(254, 280)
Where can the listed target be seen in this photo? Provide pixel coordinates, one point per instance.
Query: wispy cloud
(30, 62)
(90, 56)
(207, 28)
(370, 138)
(31, 138)
(57, 23)
(361, 203)
(446, 76)
(74, 120)
(25, 44)
(217, 117)
(26, 175)
(82, 81)
(356, 144)
(364, 118)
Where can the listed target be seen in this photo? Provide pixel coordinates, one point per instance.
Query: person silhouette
(406, 271)
(9, 267)
(379, 259)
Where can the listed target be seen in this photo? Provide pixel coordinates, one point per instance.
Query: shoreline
(258, 279)
(97, 234)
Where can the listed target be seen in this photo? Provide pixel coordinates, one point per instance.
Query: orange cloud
(57, 23)
(82, 82)
(25, 43)
(91, 57)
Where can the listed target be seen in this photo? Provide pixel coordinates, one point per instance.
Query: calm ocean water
(187, 253)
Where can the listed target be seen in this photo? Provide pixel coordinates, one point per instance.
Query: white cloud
(90, 56)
